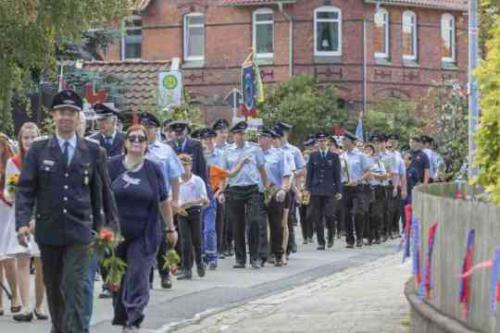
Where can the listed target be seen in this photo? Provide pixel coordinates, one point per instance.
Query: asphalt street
(223, 289)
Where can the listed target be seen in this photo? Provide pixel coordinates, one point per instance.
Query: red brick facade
(228, 39)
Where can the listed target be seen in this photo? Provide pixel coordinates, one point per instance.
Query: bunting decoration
(405, 243)
(415, 232)
(494, 286)
(426, 283)
(465, 292)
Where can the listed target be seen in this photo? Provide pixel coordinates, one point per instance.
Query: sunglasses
(136, 138)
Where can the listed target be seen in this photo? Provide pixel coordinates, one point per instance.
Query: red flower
(114, 287)
(106, 235)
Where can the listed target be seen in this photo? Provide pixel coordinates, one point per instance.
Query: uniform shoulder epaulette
(89, 139)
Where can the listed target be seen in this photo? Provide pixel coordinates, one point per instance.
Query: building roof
(141, 78)
(252, 2)
(461, 5)
(140, 5)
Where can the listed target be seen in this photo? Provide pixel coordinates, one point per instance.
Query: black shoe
(350, 246)
(212, 266)
(278, 263)
(359, 243)
(15, 309)
(166, 282)
(239, 265)
(222, 256)
(262, 262)
(384, 238)
(254, 264)
(377, 241)
(200, 270)
(105, 294)
(293, 247)
(320, 248)
(23, 317)
(40, 316)
(186, 275)
(330, 243)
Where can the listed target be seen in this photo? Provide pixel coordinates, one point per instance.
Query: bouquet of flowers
(104, 244)
(12, 183)
(268, 195)
(172, 259)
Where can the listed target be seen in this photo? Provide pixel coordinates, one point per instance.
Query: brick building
(370, 48)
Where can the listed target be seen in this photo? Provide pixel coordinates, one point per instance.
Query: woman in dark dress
(141, 197)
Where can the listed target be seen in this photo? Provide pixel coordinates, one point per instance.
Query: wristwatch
(170, 231)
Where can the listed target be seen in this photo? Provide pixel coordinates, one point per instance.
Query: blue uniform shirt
(164, 155)
(214, 158)
(298, 159)
(277, 166)
(71, 147)
(357, 164)
(249, 173)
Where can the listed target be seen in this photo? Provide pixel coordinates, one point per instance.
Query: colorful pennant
(415, 234)
(405, 243)
(465, 282)
(425, 286)
(495, 272)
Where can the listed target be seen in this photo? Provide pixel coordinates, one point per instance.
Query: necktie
(109, 140)
(66, 152)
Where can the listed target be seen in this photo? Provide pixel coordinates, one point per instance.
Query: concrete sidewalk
(367, 298)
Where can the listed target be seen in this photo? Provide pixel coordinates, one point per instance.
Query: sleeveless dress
(14, 167)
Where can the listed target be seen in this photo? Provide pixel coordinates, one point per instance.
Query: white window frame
(254, 31)
(186, 30)
(414, 26)
(445, 24)
(386, 23)
(124, 33)
(338, 20)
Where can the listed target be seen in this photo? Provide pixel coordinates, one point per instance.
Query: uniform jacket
(68, 201)
(323, 174)
(117, 146)
(193, 148)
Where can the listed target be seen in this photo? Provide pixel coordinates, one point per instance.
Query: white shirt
(192, 189)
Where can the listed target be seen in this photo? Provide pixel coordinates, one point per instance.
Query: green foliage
(392, 115)
(188, 110)
(488, 136)
(303, 103)
(30, 31)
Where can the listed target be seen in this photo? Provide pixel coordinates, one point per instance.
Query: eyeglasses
(136, 138)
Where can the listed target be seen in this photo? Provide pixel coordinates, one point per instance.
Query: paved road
(224, 288)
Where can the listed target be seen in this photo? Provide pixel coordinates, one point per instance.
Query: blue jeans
(89, 290)
(209, 230)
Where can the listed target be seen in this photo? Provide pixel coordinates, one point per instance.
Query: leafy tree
(30, 31)
(304, 104)
(188, 110)
(392, 115)
(488, 136)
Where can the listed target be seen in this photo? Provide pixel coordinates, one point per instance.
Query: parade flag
(251, 86)
(359, 128)
(425, 287)
(217, 175)
(406, 236)
(415, 233)
(495, 272)
(465, 282)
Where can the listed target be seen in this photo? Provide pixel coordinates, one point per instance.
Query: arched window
(409, 35)
(263, 33)
(194, 37)
(381, 33)
(131, 45)
(448, 38)
(327, 31)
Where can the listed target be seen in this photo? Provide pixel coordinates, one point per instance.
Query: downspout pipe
(289, 18)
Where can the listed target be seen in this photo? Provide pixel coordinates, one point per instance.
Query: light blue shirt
(277, 166)
(389, 158)
(214, 158)
(378, 169)
(298, 159)
(357, 164)
(165, 157)
(71, 148)
(249, 173)
(433, 163)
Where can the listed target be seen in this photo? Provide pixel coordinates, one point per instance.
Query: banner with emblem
(251, 87)
(169, 89)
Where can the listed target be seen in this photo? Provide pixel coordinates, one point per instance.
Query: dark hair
(135, 128)
(372, 147)
(416, 139)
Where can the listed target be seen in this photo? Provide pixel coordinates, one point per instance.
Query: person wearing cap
(339, 213)
(279, 173)
(434, 158)
(419, 160)
(356, 191)
(210, 235)
(323, 184)
(61, 185)
(172, 169)
(184, 145)
(299, 165)
(305, 219)
(221, 128)
(167, 133)
(108, 136)
(246, 165)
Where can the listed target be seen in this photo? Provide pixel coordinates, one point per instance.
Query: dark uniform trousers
(191, 238)
(244, 208)
(275, 215)
(356, 208)
(306, 222)
(292, 221)
(376, 215)
(339, 216)
(323, 209)
(392, 212)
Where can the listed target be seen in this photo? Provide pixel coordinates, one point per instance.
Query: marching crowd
(210, 194)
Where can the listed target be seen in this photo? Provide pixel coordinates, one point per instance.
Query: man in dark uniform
(323, 184)
(419, 160)
(108, 136)
(184, 145)
(62, 181)
(339, 214)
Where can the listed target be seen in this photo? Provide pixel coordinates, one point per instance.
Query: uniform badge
(86, 179)
(48, 163)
